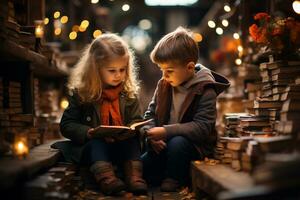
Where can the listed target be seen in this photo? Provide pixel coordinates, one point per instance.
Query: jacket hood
(210, 78)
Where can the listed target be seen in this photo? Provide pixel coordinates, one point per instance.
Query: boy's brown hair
(177, 46)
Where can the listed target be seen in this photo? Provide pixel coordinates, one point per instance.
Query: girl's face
(113, 73)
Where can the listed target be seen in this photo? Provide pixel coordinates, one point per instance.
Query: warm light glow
(296, 6)
(197, 37)
(85, 24)
(219, 31)
(57, 31)
(64, 103)
(236, 36)
(225, 22)
(240, 48)
(82, 29)
(145, 24)
(227, 8)
(94, 1)
(97, 33)
(238, 61)
(75, 28)
(211, 24)
(73, 35)
(39, 29)
(46, 20)
(20, 148)
(64, 19)
(56, 14)
(125, 7)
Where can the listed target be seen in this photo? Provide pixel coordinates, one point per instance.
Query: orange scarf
(109, 106)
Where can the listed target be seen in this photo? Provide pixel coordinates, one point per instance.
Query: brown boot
(133, 177)
(105, 176)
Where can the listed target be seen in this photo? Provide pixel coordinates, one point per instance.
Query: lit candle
(39, 29)
(21, 149)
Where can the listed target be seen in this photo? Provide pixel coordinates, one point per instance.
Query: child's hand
(89, 133)
(157, 146)
(156, 133)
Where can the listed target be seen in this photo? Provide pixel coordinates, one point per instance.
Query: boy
(184, 109)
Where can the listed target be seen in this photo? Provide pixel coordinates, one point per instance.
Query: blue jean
(173, 162)
(99, 150)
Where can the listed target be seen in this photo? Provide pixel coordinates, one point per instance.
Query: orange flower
(258, 34)
(262, 15)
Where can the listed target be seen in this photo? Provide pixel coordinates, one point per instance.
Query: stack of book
(250, 75)
(290, 112)
(232, 121)
(36, 93)
(250, 158)
(14, 98)
(276, 76)
(233, 149)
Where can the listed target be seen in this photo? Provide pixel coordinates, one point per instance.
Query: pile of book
(252, 84)
(290, 112)
(238, 152)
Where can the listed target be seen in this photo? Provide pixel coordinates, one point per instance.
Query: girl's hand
(156, 133)
(90, 133)
(157, 146)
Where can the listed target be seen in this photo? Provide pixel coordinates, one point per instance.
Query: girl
(103, 89)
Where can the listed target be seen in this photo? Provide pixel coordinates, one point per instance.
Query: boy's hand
(156, 133)
(90, 133)
(157, 146)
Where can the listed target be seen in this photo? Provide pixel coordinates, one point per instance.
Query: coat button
(88, 118)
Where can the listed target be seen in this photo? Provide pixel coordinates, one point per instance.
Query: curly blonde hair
(85, 77)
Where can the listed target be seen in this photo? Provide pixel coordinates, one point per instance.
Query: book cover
(119, 131)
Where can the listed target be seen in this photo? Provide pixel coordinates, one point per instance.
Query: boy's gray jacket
(198, 112)
(78, 118)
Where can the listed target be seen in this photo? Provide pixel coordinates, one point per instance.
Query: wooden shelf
(39, 63)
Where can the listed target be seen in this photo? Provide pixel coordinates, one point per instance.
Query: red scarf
(109, 106)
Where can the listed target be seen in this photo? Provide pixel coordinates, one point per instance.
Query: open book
(119, 131)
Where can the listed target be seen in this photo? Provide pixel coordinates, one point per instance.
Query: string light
(75, 28)
(56, 14)
(225, 22)
(97, 33)
(238, 61)
(211, 24)
(296, 6)
(94, 1)
(57, 31)
(145, 24)
(73, 35)
(197, 37)
(125, 7)
(236, 36)
(64, 19)
(84, 24)
(46, 20)
(227, 8)
(219, 31)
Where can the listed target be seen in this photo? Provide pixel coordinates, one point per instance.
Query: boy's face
(113, 73)
(175, 73)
